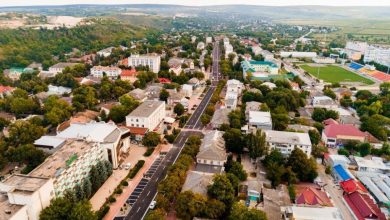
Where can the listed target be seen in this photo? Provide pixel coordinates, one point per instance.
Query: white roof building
(310, 213)
(58, 90)
(286, 142)
(148, 115)
(260, 120)
(324, 102)
(296, 54)
(212, 153)
(374, 165)
(378, 184)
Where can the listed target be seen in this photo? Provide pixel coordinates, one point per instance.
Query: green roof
(268, 63)
(71, 159)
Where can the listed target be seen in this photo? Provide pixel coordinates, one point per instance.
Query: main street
(141, 206)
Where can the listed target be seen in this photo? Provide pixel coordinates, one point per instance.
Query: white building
(23, 197)
(187, 90)
(378, 54)
(112, 139)
(200, 46)
(148, 115)
(193, 39)
(228, 50)
(324, 102)
(310, 213)
(152, 61)
(256, 50)
(58, 90)
(212, 153)
(70, 165)
(296, 54)
(268, 56)
(260, 120)
(259, 68)
(375, 164)
(105, 52)
(59, 67)
(356, 46)
(233, 91)
(209, 40)
(286, 142)
(109, 71)
(324, 60)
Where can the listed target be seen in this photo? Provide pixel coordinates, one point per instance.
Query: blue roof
(340, 170)
(355, 66)
(268, 63)
(247, 66)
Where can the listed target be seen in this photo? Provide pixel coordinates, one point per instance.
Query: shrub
(102, 212)
(118, 190)
(111, 199)
(135, 169)
(124, 183)
(149, 151)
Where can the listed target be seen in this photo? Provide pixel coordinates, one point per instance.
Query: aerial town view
(195, 110)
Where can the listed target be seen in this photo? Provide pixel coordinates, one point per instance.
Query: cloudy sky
(200, 2)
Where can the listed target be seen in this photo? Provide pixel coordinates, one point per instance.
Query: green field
(333, 74)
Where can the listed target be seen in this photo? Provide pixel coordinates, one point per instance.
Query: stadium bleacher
(355, 66)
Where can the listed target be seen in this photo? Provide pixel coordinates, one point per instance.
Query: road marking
(148, 193)
(138, 209)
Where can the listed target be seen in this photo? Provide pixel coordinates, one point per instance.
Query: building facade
(152, 61)
(148, 115)
(109, 71)
(259, 68)
(286, 142)
(377, 54)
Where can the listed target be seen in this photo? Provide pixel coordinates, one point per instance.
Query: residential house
(148, 115)
(324, 102)
(220, 117)
(336, 134)
(200, 46)
(197, 182)
(153, 91)
(306, 213)
(6, 90)
(363, 207)
(251, 106)
(106, 107)
(109, 71)
(105, 52)
(176, 69)
(286, 142)
(212, 153)
(138, 94)
(129, 75)
(187, 90)
(60, 67)
(311, 196)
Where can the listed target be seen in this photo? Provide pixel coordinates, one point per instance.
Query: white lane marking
(148, 193)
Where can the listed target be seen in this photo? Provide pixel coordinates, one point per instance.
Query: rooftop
(213, 147)
(284, 137)
(342, 172)
(312, 196)
(197, 182)
(313, 213)
(363, 206)
(146, 108)
(373, 163)
(7, 209)
(63, 65)
(128, 73)
(221, 116)
(58, 162)
(335, 130)
(25, 183)
(260, 117)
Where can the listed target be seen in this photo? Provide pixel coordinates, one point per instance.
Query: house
(286, 142)
(164, 80)
(6, 90)
(352, 185)
(106, 107)
(306, 213)
(270, 85)
(194, 82)
(152, 61)
(296, 54)
(13, 73)
(60, 67)
(209, 40)
(295, 86)
(197, 182)
(363, 207)
(153, 91)
(220, 117)
(176, 69)
(58, 90)
(324, 102)
(336, 134)
(148, 115)
(174, 97)
(311, 196)
(251, 106)
(349, 119)
(234, 85)
(24, 196)
(212, 153)
(138, 94)
(80, 117)
(378, 184)
(138, 133)
(129, 75)
(187, 90)
(231, 103)
(111, 72)
(260, 120)
(73, 161)
(34, 66)
(335, 159)
(200, 46)
(375, 164)
(49, 142)
(340, 173)
(105, 52)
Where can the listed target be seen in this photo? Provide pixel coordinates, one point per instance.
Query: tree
(304, 167)
(151, 139)
(87, 188)
(82, 211)
(118, 113)
(221, 190)
(59, 209)
(238, 170)
(364, 149)
(94, 177)
(315, 137)
(214, 209)
(280, 121)
(274, 173)
(84, 97)
(164, 95)
(189, 205)
(157, 214)
(24, 132)
(329, 93)
(256, 144)
(205, 119)
(240, 212)
(179, 109)
(234, 140)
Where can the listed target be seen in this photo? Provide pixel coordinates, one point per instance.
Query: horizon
(199, 3)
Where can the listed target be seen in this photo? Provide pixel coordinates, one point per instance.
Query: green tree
(205, 119)
(59, 209)
(157, 214)
(189, 205)
(304, 167)
(364, 149)
(221, 189)
(214, 209)
(274, 173)
(233, 140)
(164, 95)
(238, 170)
(118, 113)
(24, 132)
(179, 109)
(82, 211)
(315, 137)
(151, 139)
(240, 212)
(257, 144)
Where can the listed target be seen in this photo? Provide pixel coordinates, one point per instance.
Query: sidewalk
(121, 199)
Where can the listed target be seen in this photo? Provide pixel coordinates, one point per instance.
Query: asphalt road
(141, 205)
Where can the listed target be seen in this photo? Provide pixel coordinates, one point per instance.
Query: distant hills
(272, 12)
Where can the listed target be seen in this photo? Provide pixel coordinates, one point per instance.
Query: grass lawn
(333, 74)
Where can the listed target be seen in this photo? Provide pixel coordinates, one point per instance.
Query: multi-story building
(297, 54)
(212, 153)
(148, 115)
(260, 120)
(152, 61)
(70, 165)
(209, 40)
(356, 46)
(59, 67)
(200, 46)
(112, 139)
(109, 71)
(23, 197)
(233, 91)
(377, 54)
(259, 68)
(286, 142)
(106, 52)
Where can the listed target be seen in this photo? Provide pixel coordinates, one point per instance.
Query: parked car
(152, 205)
(127, 166)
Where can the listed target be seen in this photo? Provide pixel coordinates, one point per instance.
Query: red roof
(334, 130)
(312, 196)
(330, 121)
(164, 80)
(363, 206)
(138, 131)
(4, 89)
(351, 185)
(129, 73)
(124, 62)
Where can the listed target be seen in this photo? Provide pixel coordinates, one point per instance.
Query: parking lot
(144, 181)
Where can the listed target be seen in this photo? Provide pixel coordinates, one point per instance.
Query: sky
(200, 2)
